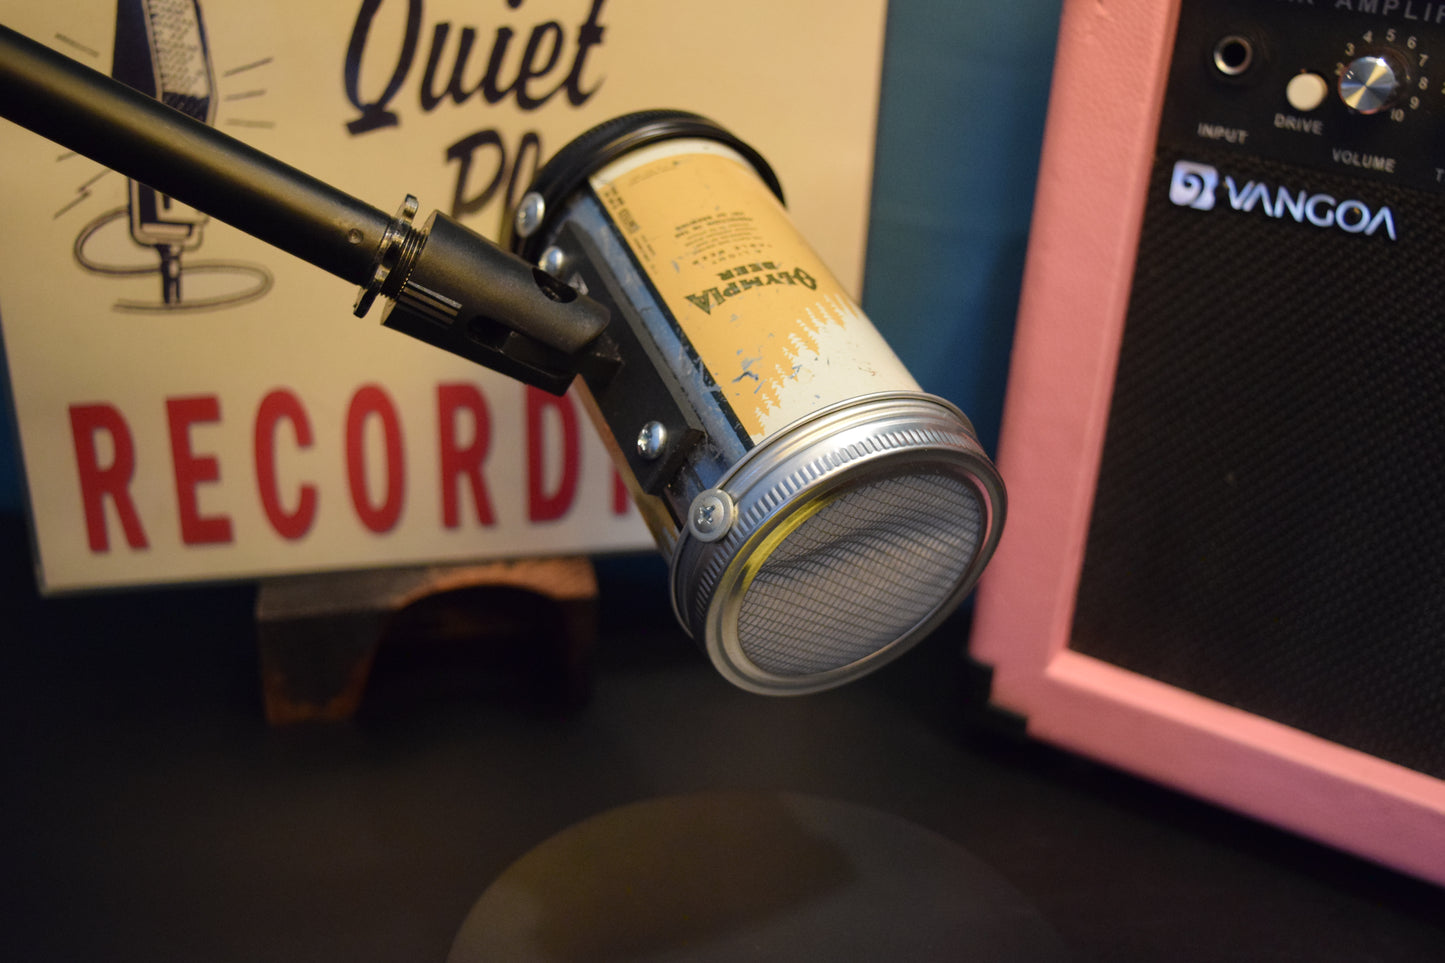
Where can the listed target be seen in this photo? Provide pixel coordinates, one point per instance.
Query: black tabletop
(151, 814)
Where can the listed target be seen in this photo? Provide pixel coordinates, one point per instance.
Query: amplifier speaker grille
(1269, 525)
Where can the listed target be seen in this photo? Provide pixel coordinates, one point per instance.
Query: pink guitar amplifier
(1224, 432)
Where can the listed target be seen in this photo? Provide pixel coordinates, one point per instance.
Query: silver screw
(651, 440)
(552, 261)
(529, 214)
(711, 515)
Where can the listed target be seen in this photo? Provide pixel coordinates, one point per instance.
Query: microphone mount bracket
(394, 256)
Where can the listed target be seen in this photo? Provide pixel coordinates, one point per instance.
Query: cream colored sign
(774, 327)
(237, 420)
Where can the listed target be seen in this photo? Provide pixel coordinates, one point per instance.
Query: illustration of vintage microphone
(161, 50)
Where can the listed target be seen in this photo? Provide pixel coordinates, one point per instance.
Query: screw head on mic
(711, 516)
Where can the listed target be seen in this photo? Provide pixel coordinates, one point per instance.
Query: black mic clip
(455, 290)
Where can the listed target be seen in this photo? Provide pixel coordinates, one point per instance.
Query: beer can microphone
(821, 513)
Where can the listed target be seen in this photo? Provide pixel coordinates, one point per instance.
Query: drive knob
(1371, 83)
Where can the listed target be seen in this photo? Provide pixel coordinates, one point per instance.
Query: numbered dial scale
(1382, 78)
(1323, 86)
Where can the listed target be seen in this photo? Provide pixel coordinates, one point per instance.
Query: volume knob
(1370, 84)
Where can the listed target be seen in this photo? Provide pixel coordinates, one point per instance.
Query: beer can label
(773, 327)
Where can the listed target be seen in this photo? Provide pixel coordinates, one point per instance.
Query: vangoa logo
(1193, 185)
(1196, 185)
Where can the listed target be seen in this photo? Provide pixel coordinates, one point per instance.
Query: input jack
(1233, 55)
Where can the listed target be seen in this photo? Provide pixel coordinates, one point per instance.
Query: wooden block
(319, 634)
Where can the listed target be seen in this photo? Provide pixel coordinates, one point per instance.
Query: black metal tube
(90, 113)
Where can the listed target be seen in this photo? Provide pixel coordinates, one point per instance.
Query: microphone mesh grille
(179, 50)
(860, 573)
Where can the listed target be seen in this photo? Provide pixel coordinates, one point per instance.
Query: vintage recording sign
(193, 404)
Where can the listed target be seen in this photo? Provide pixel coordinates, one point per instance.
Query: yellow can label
(772, 325)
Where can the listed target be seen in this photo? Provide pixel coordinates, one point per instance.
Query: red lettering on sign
(112, 481)
(290, 483)
(463, 462)
(621, 497)
(372, 400)
(543, 505)
(282, 405)
(191, 470)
